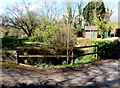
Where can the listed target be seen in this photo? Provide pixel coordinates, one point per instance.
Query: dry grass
(114, 24)
(18, 66)
(85, 42)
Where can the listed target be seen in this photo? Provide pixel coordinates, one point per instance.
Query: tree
(101, 22)
(5, 28)
(21, 18)
(101, 25)
(78, 19)
(88, 11)
(74, 16)
(69, 18)
(108, 15)
(69, 12)
(55, 34)
(50, 10)
(65, 36)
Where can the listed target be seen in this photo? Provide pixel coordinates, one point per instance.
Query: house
(91, 32)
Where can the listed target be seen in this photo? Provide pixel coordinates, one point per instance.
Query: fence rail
(52, 49)
(46, 55)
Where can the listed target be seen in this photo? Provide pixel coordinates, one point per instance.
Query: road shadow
(95, 85)
(104, 71)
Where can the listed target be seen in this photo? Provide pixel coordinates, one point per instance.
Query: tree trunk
(29, 35)
(102, 36)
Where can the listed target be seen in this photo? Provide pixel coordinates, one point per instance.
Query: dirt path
(101, 76)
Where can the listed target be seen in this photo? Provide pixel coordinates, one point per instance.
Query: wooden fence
(73, 55)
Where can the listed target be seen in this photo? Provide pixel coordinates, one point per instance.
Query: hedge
(108, 49)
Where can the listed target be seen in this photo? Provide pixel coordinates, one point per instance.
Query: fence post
(72, 62)
(67, 57)
(18, 57)
(25, 60)
(96, 52)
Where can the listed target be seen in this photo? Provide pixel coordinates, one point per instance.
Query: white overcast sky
(111, 4)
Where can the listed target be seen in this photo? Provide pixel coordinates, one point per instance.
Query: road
(94, 76)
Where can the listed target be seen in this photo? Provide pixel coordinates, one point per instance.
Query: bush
(36, 38)
(56, 35)
(108, 49)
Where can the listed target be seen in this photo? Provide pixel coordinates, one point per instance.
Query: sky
(111, 4)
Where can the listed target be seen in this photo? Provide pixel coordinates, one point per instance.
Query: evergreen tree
(88, 11)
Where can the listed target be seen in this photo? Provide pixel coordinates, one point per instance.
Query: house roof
(91, 28)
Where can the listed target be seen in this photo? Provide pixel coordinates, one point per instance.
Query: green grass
(30, 42)
(13, 42)
(85, 59)
(8, 40)
(27, 42)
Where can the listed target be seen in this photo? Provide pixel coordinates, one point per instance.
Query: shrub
(36, 38)
(56, 35)
(108, 49)
(64, 36)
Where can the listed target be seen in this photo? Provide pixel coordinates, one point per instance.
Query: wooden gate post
(73, 61)
(96, 52)
(18, 59)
